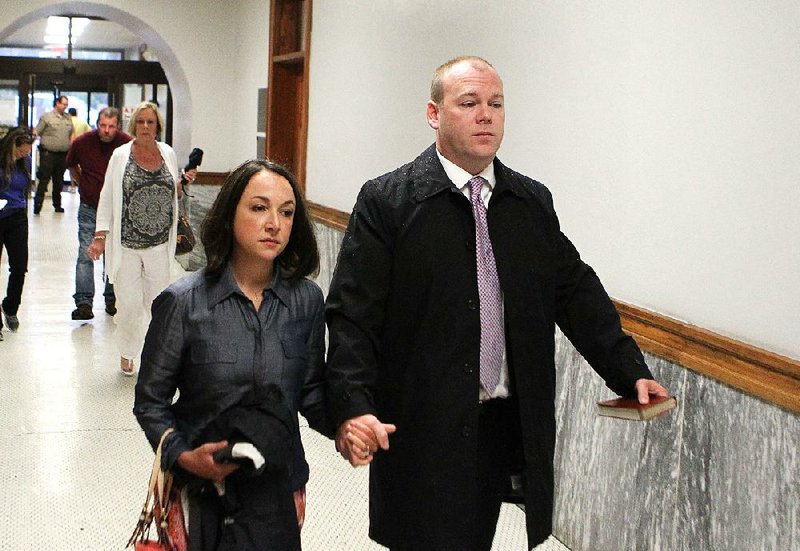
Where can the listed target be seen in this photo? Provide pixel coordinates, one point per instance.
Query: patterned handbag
(186, 240)
(162, 505)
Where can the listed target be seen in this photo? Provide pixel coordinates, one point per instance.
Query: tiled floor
(74, 463)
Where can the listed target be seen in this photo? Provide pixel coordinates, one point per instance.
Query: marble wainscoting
(720, 473)
(329, 242)
(197, 207)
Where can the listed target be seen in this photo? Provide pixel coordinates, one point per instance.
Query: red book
(630, 408)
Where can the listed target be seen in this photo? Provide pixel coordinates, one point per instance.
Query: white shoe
(126, 366)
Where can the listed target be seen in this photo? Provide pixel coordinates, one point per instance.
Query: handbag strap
(163, 481)
(155, 501)
(183, 202)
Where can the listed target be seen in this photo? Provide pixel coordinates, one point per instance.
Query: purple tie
(491, 299)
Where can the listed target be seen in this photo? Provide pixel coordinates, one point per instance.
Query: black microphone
(195, 160)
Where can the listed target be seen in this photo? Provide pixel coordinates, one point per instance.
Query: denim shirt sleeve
(312, 403)
(158, 377)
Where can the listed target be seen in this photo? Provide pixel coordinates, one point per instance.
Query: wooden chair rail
(210, 178)
(327, 216)
(758, 372)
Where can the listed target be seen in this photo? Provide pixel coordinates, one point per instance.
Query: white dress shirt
(460, 179)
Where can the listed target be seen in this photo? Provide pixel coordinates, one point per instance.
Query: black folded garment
(253, 509)
(265, 422)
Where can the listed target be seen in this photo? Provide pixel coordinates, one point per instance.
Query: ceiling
(97, 35)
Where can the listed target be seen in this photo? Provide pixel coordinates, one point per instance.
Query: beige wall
(667, 132)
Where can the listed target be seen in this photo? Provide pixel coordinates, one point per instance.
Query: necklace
(146, 157)
(255, 296)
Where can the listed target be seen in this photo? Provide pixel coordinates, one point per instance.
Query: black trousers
(52, 165)
(14, 239)
(499, 441)
(499, 436)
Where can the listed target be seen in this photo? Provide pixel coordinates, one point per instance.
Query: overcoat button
(472, 304)
(466, 432)
(468, 368)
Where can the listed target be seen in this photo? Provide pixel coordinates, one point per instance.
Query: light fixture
(58, 29)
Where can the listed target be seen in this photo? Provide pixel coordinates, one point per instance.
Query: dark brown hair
(110, 113)
(299, 259)
(14, 138)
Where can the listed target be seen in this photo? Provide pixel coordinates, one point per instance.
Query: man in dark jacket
(451, 278)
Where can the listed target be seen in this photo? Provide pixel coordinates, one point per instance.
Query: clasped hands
(358, 439)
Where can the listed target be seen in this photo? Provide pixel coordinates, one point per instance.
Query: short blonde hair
(437, 86)
(141, 107)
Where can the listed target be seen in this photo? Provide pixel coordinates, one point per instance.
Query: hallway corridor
(74, 463)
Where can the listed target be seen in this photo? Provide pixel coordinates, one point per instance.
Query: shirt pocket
(295, 357)
(293, 347)
(213, 363)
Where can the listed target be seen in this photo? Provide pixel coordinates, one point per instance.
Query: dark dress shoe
(59, 210)
(83, 312)
(111, 309)
(12, 322)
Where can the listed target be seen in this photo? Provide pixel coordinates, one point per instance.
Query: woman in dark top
(245, 333)
(15, 181)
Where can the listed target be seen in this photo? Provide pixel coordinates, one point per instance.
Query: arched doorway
(175, 75)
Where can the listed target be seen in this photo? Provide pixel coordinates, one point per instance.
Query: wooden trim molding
(758, 372)
(755, 371)
(327, 216)
(210, 178)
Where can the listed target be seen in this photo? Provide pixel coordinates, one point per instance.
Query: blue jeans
(84, 267)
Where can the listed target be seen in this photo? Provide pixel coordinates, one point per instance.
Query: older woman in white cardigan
(136, 228)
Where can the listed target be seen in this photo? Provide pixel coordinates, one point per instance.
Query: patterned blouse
(147, 208)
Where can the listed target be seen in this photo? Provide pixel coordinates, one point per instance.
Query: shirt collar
(280, 285)
(461, 177)
(226, 286)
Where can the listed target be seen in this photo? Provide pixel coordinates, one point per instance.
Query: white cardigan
(109, 209)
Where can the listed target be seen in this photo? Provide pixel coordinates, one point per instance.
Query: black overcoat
(403, 317)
